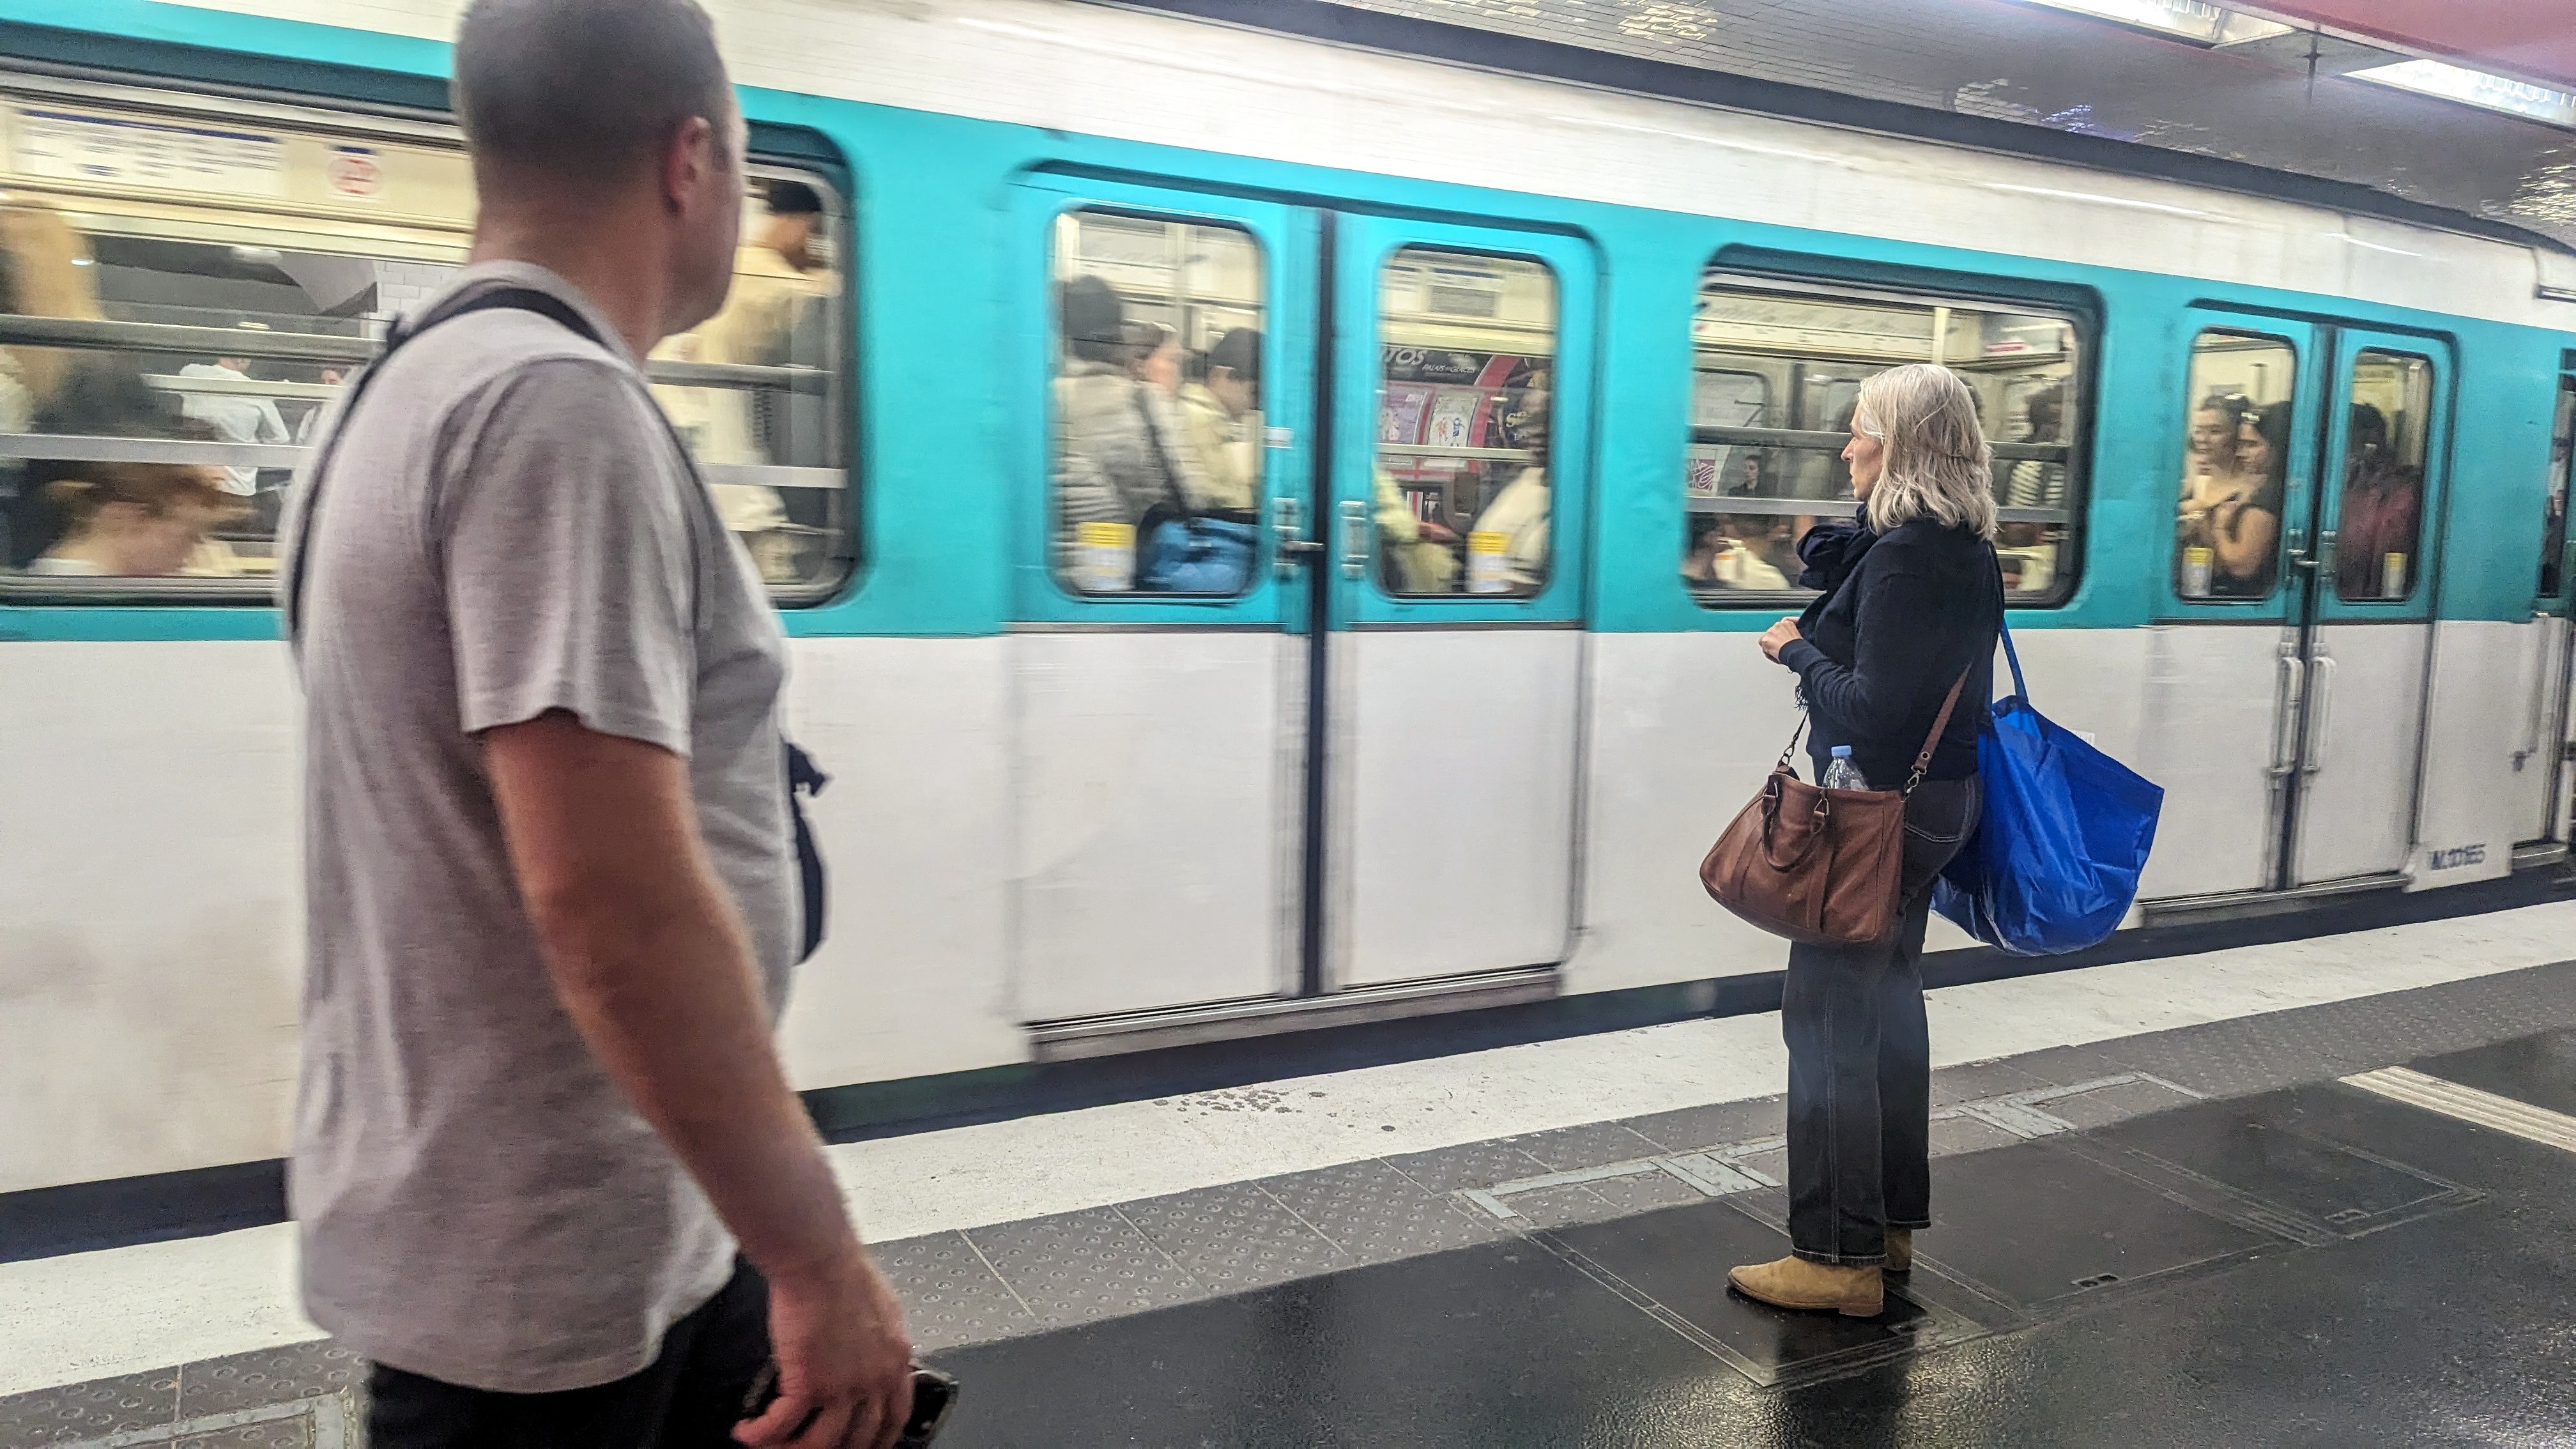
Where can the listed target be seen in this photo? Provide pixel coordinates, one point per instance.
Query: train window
(1155, 442)
(183, 286)
(2379, 518)
(1776, 369)
(2553, 522)
(1466, 350)
(2236, 460)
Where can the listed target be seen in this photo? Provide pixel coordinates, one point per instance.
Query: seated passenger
(136, 520)
(1117, 444)
(1720, 560)
(1221, 416)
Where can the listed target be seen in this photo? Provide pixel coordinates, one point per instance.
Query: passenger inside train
(2381, 512)
(2230, 517)
(1775, 375)
(128, 519)
(1221, 415)
(1118, 448)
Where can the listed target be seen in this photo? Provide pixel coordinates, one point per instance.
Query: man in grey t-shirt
(551, 887)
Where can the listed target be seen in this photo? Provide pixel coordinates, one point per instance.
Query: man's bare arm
(651, 959)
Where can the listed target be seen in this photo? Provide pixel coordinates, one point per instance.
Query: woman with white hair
(1911, 605)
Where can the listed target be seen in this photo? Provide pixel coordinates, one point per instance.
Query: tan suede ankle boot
(1793, 1282)
(1900, 1250)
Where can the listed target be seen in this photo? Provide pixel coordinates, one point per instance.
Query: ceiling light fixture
(2475, 88)
(2191, 20)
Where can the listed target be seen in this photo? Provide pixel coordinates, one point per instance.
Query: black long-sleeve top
(1905, 612)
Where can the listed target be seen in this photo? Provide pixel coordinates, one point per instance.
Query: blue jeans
(1860, 1061)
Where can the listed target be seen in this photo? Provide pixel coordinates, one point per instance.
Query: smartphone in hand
(933, 1395)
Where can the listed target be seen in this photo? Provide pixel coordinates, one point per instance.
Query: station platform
(2316, 1192)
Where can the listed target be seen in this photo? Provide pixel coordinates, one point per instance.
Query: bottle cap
(1842, 752)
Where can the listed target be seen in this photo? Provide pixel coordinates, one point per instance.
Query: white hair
(1935, 461)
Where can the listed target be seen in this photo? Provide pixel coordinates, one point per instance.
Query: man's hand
(1777, 637)
(844, 1361)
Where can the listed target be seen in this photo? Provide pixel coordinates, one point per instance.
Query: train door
(2539, 758)
(2309, 471)
(2227, 666)
(1335, 749)
(1159, 717)
(2363, 573)
(1451, 659)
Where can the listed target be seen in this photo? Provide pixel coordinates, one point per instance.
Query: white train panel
(1108, 72)
(2366, 703)
(150, 976)
(1149, 771)
(2491, 747)
(1453, 793)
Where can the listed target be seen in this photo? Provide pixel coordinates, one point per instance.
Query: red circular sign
(355, 173)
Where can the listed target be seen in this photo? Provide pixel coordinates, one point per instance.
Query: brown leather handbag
(1821, 867)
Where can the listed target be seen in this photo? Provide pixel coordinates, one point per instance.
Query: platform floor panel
(2337, 1222)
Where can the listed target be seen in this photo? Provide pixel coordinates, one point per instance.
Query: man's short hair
(1239, 350)
(585, 90)
(792, 198)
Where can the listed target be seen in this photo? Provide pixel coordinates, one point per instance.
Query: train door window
(1777, 370)
(185, 283)
(1155, 444)
(2236, 460)
(2379, 516)
(2553, 522)
(1467, 345)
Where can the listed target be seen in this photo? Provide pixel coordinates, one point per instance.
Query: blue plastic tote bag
(2055, 860)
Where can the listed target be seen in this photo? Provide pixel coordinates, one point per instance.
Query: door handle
(1291, 547)
(1355, 538)
(2321, 716)
(2543, 685)
(2289, 690)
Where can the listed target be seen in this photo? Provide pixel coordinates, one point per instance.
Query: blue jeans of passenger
(1860, 1061)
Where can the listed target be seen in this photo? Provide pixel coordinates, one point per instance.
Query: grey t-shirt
(507, 530)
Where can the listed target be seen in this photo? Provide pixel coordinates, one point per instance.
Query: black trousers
(690, 1397)
(1860, 1061)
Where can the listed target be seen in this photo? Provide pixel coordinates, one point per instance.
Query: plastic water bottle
(1842, 774)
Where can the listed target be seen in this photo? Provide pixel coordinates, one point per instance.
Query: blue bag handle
(2003, 623)
(2012, 657)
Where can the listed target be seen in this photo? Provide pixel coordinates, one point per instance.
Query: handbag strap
(1940, 722)
(1164, 460)
(523, 299)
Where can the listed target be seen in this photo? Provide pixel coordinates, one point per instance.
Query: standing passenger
(2381, 511)
(777, 281)
(239, 417)
(549, 1176)
(1118, 449)
(1221, 415)
(1912, 606)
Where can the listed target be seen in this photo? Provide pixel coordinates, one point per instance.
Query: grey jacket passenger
(1119, 442)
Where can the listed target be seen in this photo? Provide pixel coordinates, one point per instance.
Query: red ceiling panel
(2533, 39)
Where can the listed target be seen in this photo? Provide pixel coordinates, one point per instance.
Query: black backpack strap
(521, 299)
